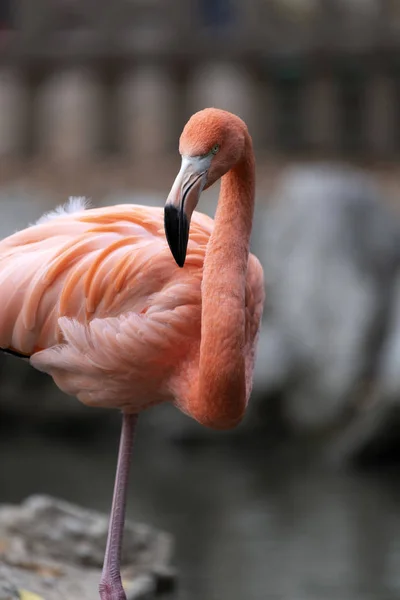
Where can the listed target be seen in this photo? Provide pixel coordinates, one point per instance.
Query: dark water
(246, 528)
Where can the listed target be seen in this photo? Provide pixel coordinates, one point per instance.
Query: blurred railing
(78, 29)
(79, 77)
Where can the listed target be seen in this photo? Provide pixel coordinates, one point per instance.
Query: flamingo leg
(110, 583)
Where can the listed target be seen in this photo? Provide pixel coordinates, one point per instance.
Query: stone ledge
(55, 549)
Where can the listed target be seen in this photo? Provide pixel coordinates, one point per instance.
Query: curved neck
(220, 399)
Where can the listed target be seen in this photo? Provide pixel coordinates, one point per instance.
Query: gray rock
(330, 249)
(142, 587)
(72, 583)
(389, 371)
(48, 544)
(7, 590)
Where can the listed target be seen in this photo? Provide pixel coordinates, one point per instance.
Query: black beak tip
(176, 228)
(179, 261)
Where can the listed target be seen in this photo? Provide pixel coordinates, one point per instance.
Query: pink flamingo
(93, 298)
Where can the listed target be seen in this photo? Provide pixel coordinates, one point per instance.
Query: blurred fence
(79, 79)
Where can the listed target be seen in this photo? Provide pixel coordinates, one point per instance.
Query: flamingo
(94, 298)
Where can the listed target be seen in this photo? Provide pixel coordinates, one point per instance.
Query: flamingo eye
(215, 149)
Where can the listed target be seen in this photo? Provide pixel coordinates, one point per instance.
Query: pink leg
(110, 584)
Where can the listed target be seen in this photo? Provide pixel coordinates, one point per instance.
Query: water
(246, 528)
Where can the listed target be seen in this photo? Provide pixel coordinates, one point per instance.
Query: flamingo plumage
(94, 298)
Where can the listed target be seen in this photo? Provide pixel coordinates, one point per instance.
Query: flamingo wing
(95, 298)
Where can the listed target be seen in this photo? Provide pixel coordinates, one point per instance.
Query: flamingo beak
(182, 201)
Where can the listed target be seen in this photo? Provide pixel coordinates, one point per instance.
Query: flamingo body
(130, 306)
(94, 299)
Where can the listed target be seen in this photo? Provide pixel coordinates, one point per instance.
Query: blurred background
(301, 502)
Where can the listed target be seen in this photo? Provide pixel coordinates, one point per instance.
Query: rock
(59, 530)
(383, 446)
(389, 371)
(7, 590)
(142, 587)
(56, 548)
(330, 251)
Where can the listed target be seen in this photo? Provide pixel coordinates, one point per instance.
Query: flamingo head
(211, 143)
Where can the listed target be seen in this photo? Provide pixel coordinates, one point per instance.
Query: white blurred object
(330, 250)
